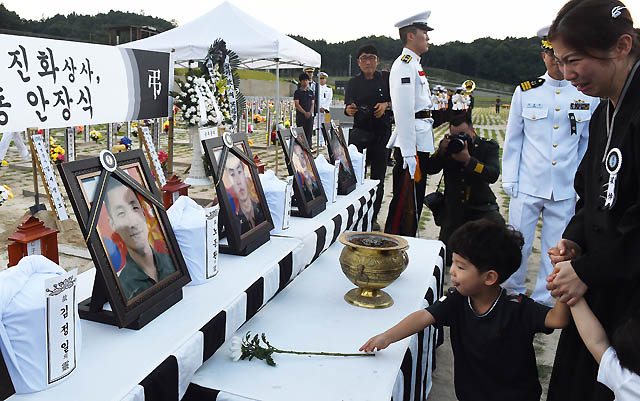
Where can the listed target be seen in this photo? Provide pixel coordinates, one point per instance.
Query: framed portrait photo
(244, 214)
(140, 269)
(338, 151)
(308, 193)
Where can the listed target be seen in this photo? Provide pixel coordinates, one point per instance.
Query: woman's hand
(565, 285)
(564, 250)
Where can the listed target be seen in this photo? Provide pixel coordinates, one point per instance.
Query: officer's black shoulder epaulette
(526, 85)
(406, 58)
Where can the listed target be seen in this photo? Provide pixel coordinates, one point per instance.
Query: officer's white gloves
(411, 163)
(510, 188)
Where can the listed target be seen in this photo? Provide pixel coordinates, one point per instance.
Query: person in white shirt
(16, 137)
(619, 361)
(325, 95)
(547, 135)
(412, 139)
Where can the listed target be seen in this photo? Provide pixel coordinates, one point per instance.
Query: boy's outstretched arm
(558, 317)
(590, 329)
(409, 325)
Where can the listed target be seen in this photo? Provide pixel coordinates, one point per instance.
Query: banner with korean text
(47, 83)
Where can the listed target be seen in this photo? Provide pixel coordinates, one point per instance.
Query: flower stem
(282, 351)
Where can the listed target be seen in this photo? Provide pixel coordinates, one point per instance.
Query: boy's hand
(565, 284)
(379, 342)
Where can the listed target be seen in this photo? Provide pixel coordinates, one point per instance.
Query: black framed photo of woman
(309, 196)
(338, 151)
(244, 212)
(120, 212)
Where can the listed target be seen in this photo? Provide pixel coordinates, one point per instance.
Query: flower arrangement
(187, 100)
(126, 141)
(163, 157)
(5, 194)
(257, 119)
(249, 348)
(56, 152)
(287, 124)
(95, 135)
(133, 128)
(79, 128)
(165, 126)
(4, 163)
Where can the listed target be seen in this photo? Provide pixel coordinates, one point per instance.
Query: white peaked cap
(543, 32)
(419, 20)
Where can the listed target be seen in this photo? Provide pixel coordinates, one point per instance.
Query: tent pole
(277, 97)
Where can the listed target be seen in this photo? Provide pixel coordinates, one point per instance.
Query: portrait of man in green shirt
(144, 266)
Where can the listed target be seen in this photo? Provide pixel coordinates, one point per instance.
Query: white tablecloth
(311, 314)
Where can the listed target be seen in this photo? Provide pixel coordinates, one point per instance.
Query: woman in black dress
(599, 256)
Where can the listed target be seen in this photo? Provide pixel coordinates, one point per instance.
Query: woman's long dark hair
(588, 25)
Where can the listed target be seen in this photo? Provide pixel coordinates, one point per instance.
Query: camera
(435, 202)
(363, 115)
(457, 141)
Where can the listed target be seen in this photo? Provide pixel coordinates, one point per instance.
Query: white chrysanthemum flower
(235, 349)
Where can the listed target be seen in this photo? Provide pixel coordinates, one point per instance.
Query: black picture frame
(338, 149)
(244, 234)
(89, 183)
(308, 200)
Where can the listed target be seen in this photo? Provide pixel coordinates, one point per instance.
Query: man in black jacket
(467, 175)
(368, 100)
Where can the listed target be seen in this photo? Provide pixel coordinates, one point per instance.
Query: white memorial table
(157, 362)
(311, 315)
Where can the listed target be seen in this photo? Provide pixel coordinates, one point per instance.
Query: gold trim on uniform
(478, 168)
(526, 85)
(406, 58)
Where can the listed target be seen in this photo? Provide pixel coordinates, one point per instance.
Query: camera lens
(456, 145)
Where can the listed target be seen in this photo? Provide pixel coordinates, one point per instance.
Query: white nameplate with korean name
(60, 293)
(70, 141)
(336, 174)
(363, 167)
(153, 155)
(212, 246)
(34, 248)
(208, 133)
(288, 194)
(51, 184)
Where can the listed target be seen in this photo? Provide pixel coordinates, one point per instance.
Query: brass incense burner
(372, 261)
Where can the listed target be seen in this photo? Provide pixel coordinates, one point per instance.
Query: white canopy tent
(258, 45)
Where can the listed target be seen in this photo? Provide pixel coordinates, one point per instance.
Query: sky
(338, 20)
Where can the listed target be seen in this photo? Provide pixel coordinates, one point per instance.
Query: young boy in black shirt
(303, 99)
(491, 331)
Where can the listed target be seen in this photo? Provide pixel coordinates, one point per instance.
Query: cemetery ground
(74, 254)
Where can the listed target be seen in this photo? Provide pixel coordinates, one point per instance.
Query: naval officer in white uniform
(547, 135)
(412, 139)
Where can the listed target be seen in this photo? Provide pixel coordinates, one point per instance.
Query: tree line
(510, 60)
(84, 28)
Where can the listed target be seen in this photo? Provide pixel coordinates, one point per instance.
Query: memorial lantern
(33, 238)
(172, 190)
(259, 164)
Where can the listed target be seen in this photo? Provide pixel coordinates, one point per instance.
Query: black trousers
(395, 212)
(377, 158)
(307, 124)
